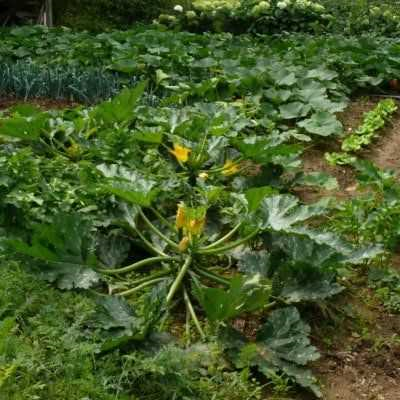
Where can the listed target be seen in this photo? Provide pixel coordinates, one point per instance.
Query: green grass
(50, 351)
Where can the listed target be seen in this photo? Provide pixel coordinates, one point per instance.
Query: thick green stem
(136, 265)
(149, 278)
(163, 219)
(187, 325)
(193, 314)
(223, 239)
(212, 276)
(147, 243)
(158, 232)
(139, 287)
(229, 246)
(175, 286)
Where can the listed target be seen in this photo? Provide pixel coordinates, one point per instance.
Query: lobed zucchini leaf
(282, 344)
(243, 295)
(63, 251)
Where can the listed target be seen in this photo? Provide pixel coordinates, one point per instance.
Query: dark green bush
(98, 15)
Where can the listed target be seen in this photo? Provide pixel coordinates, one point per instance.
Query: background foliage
(105, 14)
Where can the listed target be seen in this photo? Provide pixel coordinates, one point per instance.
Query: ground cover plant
(171, 220)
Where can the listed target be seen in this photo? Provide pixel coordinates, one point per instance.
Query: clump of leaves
(386, 283)
(373, 121)
(374, 216)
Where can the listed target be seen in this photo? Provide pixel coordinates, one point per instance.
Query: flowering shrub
(276, 16)
(266, 16)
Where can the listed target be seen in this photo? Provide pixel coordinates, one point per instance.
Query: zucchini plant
(188, 213)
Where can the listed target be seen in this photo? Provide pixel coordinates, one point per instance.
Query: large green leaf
(114, 313)
(294, 110)
(322, 74)
(63, 251)
(130, 185)
(120, 109)
(303, 250)
(124, 324)
(282, 345)
(261, 150)
(255, 195)
(282, 212)
(243, 295)
(255, 263)
(305, 282)
(26, 128)
(113, 249)
(349, 253)
(322, 123)
(318, 179)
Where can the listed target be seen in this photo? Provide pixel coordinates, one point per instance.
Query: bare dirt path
(364, 363)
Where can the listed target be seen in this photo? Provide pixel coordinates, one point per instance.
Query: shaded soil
(46, 104)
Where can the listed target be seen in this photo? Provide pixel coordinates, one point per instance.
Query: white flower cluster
(178, 8)
(381, 12)
(261, 8)
(215, 5)
(301, 4)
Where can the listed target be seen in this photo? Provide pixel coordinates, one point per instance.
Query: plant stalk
(139, 287)
(158, 232)
(148, 244)
(175, 286)
(229, 246)
(137, 265)
(163, 219)
(212, 276)
(223, 238)
(149, 278)
(193, 314)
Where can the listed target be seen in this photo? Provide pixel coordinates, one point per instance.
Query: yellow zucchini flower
(180, 216)
(230, 168)
(181, 153)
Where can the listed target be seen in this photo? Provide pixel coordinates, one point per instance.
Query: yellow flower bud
(180, 216)
(184, 244)
(203, 175)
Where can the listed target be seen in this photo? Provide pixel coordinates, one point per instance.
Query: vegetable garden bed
(169, 210)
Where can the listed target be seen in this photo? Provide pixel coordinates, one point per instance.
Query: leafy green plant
(373, 216)
(281, 344)
(190, 196)
(386, 283)
(26, 81)
(373, 121)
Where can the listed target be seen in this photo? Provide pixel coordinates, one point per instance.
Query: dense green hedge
(98, 15)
